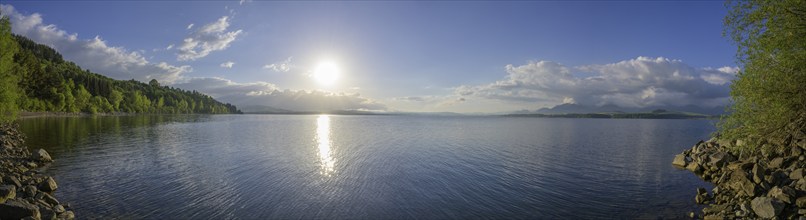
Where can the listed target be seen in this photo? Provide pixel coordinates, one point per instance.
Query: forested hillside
(36, 78)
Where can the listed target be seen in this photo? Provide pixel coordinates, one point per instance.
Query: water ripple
(335, 167)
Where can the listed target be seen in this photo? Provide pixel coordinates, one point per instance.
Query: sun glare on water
(326, 73)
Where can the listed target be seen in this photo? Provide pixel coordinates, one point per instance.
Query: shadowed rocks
(26, 193)
(768, 184)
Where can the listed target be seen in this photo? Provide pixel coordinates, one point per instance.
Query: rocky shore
(25, 192)
(766, 185)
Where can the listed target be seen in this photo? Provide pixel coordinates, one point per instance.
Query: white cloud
(267, 94)
(244, 1)
(283, 66)
(729, 70)
(210, 37)
(94, 54)
(169, 47)
(639, 82)
(720, 76)
(189, 26)
(227, 64)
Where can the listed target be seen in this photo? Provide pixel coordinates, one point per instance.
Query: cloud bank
(267, 94)
(94, 54)
(639, 82)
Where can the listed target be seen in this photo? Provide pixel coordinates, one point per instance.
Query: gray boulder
(702, 196)
(58, 208)
(48, 214)
(694, 167)
(720, 158)
(41, 155)
(785, 194)
(67, 215)
(740, 183)
(766, 207)
(679, 160)
(48, 199)
(15, 209)
(49, 185)
(12, 180)
(801, 202)
(796, 174)
(776, 163)
(29, 190)
(758, 173)
(7, 192)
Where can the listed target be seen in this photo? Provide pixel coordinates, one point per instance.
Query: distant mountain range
(262, 109)
(563, 110)
(586, 109)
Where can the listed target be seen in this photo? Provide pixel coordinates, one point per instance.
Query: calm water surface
(368, 167)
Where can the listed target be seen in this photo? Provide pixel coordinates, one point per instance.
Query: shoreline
(24, 115)
(26, 192)
(767, 185)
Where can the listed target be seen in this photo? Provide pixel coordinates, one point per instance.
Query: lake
(368, 167)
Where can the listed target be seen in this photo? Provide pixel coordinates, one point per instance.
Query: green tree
(154, 83)
(8, 79)
(83, 98)
(769, 93)
(69, 98)
(115, 97)
(100, 104)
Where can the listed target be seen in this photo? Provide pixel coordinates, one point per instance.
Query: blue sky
(402, 56)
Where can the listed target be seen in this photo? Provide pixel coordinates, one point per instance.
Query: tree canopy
(34, 78)
(769, 93)
(8, 80)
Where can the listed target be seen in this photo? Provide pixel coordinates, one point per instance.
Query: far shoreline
(28, 115)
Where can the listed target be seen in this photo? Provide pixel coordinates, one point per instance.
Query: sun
(326, 73)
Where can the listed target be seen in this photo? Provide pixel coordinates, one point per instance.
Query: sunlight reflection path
(324, 142)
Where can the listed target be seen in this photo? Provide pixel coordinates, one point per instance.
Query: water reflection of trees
(59, 134)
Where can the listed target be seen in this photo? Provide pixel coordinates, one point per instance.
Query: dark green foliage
(8, 73)
(35, 78)
(769, 94)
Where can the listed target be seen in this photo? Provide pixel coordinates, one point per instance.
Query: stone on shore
(49, 185)
(58, 208)
(801, 202)
(720, 158)
(16, 209)
(7, 192)
(29, 190)
(776, 163)
(758, 173)
(796, 174)
(41, 155)
(24, 190)
(47, 198)
(694, 167)
(766, 207)
(785, 194)
(702, 196)
(679, 160)
(67, 215)
(763, 184)
(12, 180)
